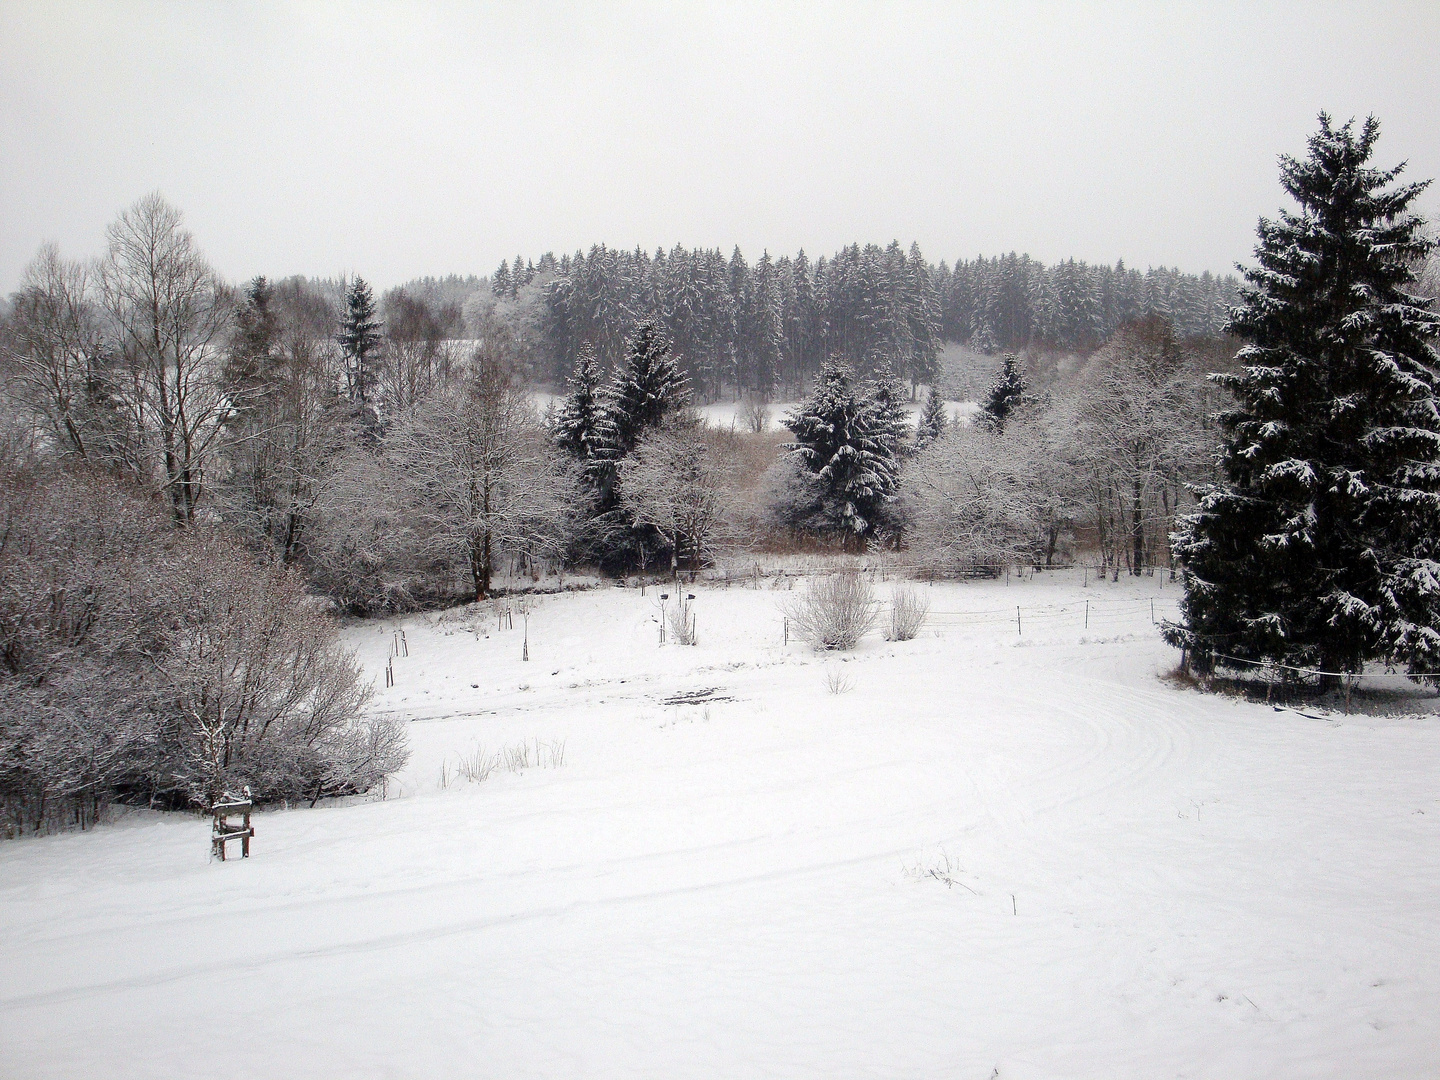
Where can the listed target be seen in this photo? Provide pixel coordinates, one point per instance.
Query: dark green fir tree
(1318, 550)
(846, 455)
(646, 390)
(886, 398)
(580, 427)
(360, 341)
(934, 420)
(1006, 395)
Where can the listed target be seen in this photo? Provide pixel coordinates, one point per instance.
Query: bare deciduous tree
(1139, 430)
(288, 429)
(56, 364)
(676, 481)
(419, 354)
(263, 696)
(141, 664)
(480, 468)
(170, 313)
(975, 498)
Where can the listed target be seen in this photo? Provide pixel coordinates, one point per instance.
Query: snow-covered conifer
(500, 283)
(580, 426)
(846, 456)
(649, 387)
(1007, 393)
(1321, 547)
(359, 340)
(934, 420)
(886, 398)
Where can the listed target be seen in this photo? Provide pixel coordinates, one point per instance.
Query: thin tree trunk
(1137, 529)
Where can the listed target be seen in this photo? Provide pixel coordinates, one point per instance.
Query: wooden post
(1018, 632)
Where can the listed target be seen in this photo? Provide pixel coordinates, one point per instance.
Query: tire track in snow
(382, 942)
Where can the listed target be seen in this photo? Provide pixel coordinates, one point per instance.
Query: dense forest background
(764, 329)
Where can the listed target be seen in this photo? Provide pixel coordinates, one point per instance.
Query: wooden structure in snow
(224, 830)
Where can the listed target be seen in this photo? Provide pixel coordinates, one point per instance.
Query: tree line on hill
(766, 329)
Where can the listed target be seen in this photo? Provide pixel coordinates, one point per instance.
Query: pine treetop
(580, 425)
(649, 387)
(359, 328)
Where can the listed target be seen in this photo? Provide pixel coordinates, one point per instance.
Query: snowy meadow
(995, 850)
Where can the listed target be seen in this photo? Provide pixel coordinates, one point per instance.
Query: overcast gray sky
(396, 140)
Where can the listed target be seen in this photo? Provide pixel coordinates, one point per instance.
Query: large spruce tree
(360, 341)
(581, 425)
(1319, 548)
(647, 389)
(847, 452)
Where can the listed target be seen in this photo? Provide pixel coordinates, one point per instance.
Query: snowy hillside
(999, 851)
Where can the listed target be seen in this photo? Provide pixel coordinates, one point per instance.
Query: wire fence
(886, 569)
(1078, 616)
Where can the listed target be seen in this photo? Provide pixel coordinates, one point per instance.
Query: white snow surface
(726, 414)
(999, 855)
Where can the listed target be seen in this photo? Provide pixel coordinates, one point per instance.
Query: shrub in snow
(835, 611)
(682, 622)
(147, 664)
(908, 610)
(480, 764)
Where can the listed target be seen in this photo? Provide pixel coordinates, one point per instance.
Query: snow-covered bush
(144, 663)
(682, 621)
(976, 499)
(908, 610)
(834, 611)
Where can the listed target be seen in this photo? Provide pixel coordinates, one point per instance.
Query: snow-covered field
(725, 414)
(996, 855)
